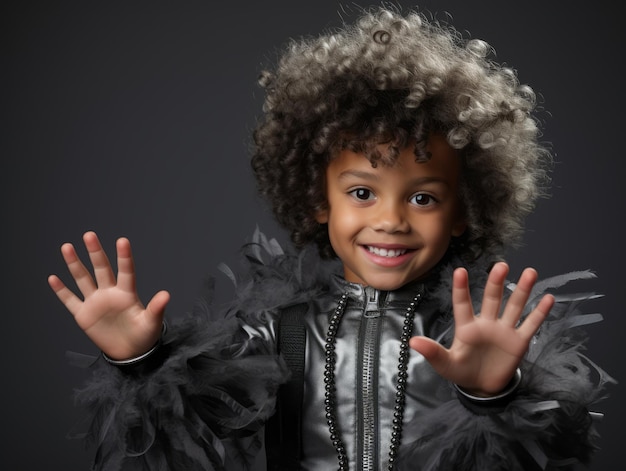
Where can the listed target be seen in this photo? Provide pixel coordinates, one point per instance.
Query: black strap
(283, 431)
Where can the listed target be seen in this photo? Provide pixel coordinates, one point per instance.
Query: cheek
(345, 224)
(438, 230)
(342, 229)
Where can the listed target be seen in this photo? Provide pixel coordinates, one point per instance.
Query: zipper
(367, 389)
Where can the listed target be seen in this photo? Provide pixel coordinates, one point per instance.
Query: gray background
(133, 118)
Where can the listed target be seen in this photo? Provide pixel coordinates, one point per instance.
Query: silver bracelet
(132, 361)
(512, 386)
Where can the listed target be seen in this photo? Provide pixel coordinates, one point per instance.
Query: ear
(459, 227)
(321, 216)
(460, 223)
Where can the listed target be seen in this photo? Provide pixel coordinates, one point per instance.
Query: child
(412, 160)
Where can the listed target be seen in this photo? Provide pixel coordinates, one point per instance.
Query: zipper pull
(371, 306)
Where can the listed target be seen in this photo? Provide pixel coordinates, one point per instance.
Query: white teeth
(386, 252)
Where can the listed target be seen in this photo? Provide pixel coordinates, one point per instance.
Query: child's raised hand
(110, 312)
(487, 348)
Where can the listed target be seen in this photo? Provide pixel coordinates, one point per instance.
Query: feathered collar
(272, 278)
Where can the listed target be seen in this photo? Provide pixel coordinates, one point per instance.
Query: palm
(487, 348)
(105, 312)
(110, 312)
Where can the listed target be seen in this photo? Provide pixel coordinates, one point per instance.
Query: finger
(101, 266)
(79, 273)
(156, 306)
(533, 321)
(434, 352)
(65, 295)
(494, 289)
(518, 299)
(461, 300)
(126, 279)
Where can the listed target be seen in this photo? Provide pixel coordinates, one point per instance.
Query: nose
(391, 218)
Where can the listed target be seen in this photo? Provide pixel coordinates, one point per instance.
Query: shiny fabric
(367, 326)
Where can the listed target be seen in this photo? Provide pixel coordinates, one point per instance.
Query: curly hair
(394, 78)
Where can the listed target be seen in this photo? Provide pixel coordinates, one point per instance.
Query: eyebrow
(359, 174)
(373, 177)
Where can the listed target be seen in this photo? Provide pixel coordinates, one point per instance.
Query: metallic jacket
(367, 350)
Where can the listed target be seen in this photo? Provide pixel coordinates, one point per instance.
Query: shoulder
(272, 277)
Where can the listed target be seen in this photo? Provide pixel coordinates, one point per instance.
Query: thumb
(433, 351)
(156, 307)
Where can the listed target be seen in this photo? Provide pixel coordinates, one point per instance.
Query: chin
(387, 285)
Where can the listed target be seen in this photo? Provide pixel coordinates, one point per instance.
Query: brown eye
(423, 199)
(362, 194)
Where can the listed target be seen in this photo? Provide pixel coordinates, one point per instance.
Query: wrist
(140, 358)
(484, 398)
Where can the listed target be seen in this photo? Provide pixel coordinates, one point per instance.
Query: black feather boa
(203, 407)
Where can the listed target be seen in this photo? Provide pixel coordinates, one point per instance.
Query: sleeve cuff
(148, 361)
(491, 404)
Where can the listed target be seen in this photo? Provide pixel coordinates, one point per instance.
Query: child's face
(390, 225)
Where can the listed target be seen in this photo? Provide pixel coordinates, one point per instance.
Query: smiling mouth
(389, 253)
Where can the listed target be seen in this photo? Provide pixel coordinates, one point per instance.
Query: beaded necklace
(330, 394)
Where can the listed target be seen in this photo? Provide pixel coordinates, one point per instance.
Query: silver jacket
(367, 350)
